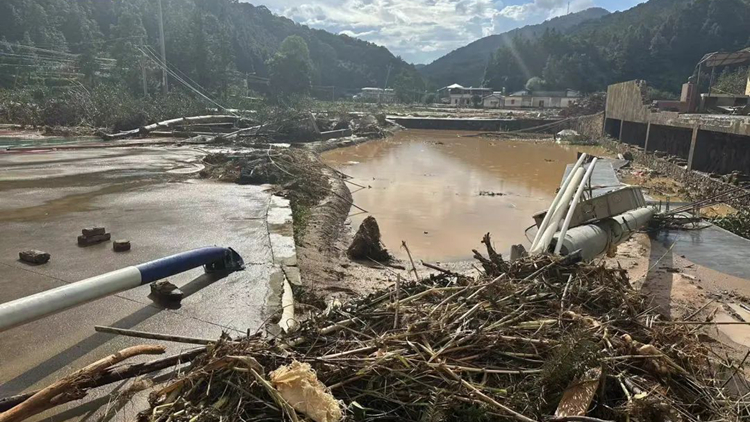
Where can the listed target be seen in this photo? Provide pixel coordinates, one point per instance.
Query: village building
(494, 100)
(542, 99)
(371, 95)
(460, 96)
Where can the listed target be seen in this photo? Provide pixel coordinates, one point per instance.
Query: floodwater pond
(441, 191)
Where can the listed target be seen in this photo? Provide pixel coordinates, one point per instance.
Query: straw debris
(547, 339)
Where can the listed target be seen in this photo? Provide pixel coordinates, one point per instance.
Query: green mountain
(660, 41)
(212, 42)
(466, 65)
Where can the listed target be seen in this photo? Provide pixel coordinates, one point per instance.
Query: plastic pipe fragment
(31, 308)
(556, 201)
(574, 204)
(554, 222)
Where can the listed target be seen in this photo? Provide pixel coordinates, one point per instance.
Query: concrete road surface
(152, 197)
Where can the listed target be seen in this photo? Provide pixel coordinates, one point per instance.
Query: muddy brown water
(430, 188)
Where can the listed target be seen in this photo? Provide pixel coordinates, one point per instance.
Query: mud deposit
(440, 191)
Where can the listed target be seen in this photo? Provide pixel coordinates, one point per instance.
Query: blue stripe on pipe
(175, 264)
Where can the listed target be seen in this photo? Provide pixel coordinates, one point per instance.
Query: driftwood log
(170, 123)
(115, 374)
(367, 244)
(56, 393)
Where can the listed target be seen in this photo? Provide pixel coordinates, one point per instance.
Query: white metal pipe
(556, 201)
(36, 306)
(557, 215)
(574, 204)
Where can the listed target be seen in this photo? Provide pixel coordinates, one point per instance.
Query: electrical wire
(179, 79)
(153, 53)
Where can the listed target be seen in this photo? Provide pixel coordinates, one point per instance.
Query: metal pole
(165, 88)
(595, 239)
(31, 308)
(143, 73)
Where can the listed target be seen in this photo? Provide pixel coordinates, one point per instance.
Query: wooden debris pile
(546, 339)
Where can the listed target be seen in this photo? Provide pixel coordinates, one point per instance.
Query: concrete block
(93, 231)
(91, 240)
(121, 245)
(164, 290)
(33, 256)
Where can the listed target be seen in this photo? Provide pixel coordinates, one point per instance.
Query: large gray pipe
(594, 239)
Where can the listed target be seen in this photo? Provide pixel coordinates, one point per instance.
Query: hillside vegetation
(212, 42)
(660, 41)
(466, 65)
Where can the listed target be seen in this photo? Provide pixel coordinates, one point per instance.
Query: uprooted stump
(367, 244)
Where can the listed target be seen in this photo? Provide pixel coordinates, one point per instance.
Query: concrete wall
(700, 185)
(469, 124)
(634, 133)
(722, 144)
(627, 101)
(591, 126)
(721, 153)
(673, 141)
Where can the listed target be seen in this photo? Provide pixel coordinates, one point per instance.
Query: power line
(179, 79)
(153, 53)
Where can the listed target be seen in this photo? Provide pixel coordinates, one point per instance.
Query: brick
(121, 245)
(91, 240)
(33, 256)
(93, 231)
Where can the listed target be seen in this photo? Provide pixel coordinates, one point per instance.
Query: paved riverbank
(151, 197)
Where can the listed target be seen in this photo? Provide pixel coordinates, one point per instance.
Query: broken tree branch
(42, 400)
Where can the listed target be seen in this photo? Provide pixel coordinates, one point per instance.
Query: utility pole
(568, 7)
(164, 86)
(143, 71)
(385, 85)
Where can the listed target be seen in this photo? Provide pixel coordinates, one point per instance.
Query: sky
(421, 31)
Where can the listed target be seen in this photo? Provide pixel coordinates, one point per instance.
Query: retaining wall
(700, 185)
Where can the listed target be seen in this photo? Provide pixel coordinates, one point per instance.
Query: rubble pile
(297, 173)
(546, 339)
(588, 105)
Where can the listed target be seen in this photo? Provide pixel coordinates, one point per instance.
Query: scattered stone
(367, 244)
(167, 291)
(33, 256)
(121, 245)
(93, 231)
(91, 240)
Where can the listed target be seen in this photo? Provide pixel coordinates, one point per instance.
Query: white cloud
(421, 30)
(517, 12)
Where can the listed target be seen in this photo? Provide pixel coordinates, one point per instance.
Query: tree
(430, 98)
(408, 86)
(129, 34)
(535, 84)
(732, 81)
(290, 69)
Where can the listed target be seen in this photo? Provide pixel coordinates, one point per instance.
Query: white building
(542, 99)
(460, 96)
(494, 100)
(376, 94)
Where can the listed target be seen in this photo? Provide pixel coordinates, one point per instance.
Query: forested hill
(660, 41)
(466, 65)
(208, 40)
